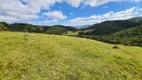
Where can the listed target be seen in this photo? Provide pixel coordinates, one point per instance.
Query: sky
(68, 12)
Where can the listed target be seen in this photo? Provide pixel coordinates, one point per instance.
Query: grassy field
(25, 56)
(71, 33)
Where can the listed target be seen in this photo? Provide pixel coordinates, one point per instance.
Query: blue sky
(68, 12)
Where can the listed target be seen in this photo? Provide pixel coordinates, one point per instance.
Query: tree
(39, 30)
(30, 28)
(2, 27)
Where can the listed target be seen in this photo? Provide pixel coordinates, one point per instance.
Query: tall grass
(25, 56)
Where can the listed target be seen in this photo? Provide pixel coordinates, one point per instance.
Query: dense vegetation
(25, 28)
(109, 27)
(21, 27)
(3, 26)
(131, 36)
(128, 32)
(25, 56)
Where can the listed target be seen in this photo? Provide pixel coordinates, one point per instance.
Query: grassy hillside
(49, 57)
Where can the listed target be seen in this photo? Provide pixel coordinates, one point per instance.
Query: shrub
(2, 27)
(39, 30)
(115, 47)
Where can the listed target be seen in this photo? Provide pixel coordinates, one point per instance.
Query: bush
(30, 28)
(2, 27)
(39, 30)
(115, 47)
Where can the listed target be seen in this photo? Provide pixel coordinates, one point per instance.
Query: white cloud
(55, 15)
(15, 10)
(40, 4)
(136, 0)
(122, 15)
(105, 6)
(45, 22)
(50, 21)
(80, 21)
(71, 13)
(93, 3)
(7, 18)
(74, 3)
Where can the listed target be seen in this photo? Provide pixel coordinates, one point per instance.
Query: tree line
(21, 27)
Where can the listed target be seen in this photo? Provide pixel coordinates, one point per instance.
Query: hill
(24, 27)
(135, 19)
(56, 30)
(25, 56)
(59, 29)
(125, 32)
(109, 27)
(129, 36)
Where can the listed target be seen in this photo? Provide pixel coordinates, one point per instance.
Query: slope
(129, 36)
(25, 56)
(109, 27)
(136, 19)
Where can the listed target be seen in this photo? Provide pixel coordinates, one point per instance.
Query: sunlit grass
(25, 56)
(71, 33)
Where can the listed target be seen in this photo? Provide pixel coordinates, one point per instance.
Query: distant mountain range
(82, 27)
